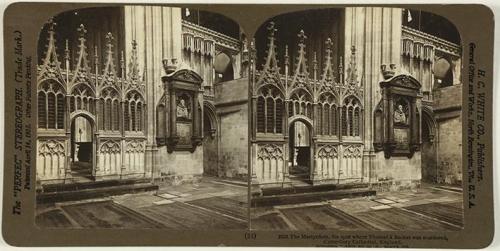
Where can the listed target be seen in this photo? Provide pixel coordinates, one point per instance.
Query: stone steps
(305, 193)
(306, 188)
(52, 193)
(308, 197)
(232, 182)
(451, 188)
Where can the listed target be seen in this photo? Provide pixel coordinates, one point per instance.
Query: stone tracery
(324, 98)
(91, 93)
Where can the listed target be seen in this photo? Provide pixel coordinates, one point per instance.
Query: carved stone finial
(341, 69)
(244, 43)
(96, 57)
(109, 68)
(352, 75)
(315, 61)
(81, 31)
(51, 24)
(328, 73)
(66, 51)
(253, 51)
(51, 58)
(271, 28)
(122, 60)
(122, 64)
(109, 41)
(133, 66)
(82, 63)
(287, 57)
(51, 39)
(328, 44)
(315, 65)
(302, 37)
(301, 65)
(271, 62)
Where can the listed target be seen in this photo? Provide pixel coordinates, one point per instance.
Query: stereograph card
(248, 125)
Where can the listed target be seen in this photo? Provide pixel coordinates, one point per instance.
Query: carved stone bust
(400, 116)
(182, 110)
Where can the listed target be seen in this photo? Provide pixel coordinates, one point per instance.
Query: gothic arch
(106, 88)
(263, 87)
(351, 116)
(211, 140)
(270, 109)
(51, 105)
(136, 93)
(307, 121)
(134, 111)
(209, 111)
(85, 114)
(429, 120)
(328, 96)
(304, 90)
(352, 98)
(85, 85)
(91, 151)
(51, 82)
(300, 102)
(327, 115)
(82, 98)
(109, 109)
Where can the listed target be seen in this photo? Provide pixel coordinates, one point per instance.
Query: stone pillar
(339, 122)
(157, 31)
(254, 118)
(96, 141)
(376, 34)
(173, 112)
(196, 118)
(122, 141)
(414, 123)
(67, 120)
(390, 118)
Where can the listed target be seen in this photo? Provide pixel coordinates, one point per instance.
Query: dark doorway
(429, 155)
(300, 153)
(210, 144)
(82, 148)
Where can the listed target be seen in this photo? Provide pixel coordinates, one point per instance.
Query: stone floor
(208, 204)
(217, 204)
(428, 208)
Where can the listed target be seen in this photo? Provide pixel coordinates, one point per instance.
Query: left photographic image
(142, 116)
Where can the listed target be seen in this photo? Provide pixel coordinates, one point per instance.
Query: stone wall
(157, 31)
(447, 109)
(232, 109)
(397, 172)
(450, 151)
(429, 161)
(210, 153)
(447, 97)
(179, 166)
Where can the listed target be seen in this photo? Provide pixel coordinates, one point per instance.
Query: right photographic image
(356, 121)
